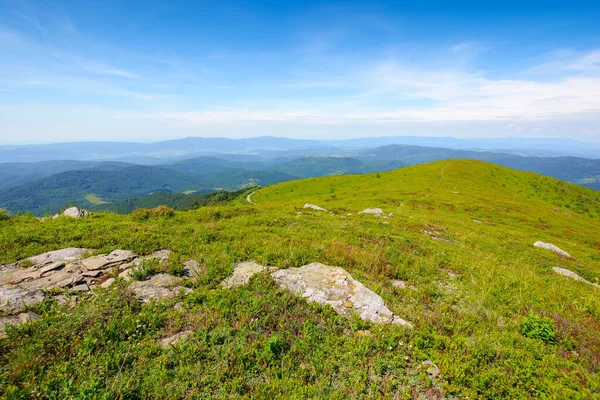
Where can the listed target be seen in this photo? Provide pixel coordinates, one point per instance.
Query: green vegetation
(93, 199)
(485, 305)
(157, 212)
(309, 167)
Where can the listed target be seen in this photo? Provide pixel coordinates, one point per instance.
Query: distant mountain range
(46, 186)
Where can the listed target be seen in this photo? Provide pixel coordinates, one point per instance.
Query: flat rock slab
(334, 286)
(104, 261)
(314, 207)
(69, 254)
(193, 269)
(573, 275)
(15, 299)
(174, 339)
(551, 247)
(242, 273)
(20, 319)
(374, 211)
(161, 286)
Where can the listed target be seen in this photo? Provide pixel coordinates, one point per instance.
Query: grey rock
(57, 279)
(75, 212)
(551, 247)
(242, 273)
(193, 269)
(104, 261)
(14, 299)
(312, 206)
(64, 255)
(80, 288)
(160, 286)
(174, 339)
(334, 286)
(374, 211)
(398, 284)
(573, 275)
(107, 282)
(20, 319)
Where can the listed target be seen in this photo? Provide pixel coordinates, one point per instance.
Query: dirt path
(249, 198)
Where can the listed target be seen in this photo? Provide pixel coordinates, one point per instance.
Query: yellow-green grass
(472, 286)
(92, 198)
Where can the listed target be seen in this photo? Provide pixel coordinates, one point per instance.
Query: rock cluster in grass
(551, 247)
(323, 284)
(27, 282)
(314, 207)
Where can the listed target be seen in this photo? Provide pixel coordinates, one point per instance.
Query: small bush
(145, 270)
(157, 212)
(538, 327)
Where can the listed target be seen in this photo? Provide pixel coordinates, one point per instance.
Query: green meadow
(486, 307)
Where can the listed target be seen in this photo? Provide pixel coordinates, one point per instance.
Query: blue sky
(145, 70)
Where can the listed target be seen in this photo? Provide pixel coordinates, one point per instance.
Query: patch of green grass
(538, 327)
(93, 199)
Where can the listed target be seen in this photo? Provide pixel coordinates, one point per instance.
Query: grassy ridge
(475, 285)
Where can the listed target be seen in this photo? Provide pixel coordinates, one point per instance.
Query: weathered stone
(20, 319)
(107, 282)
(174, 339)
(105, 261)
(13, 274)
(92, 274)
(51, 267)
(553, 248)
(193, 269)
(14, 299)
(80, 288)
(334, 286)
(312, 206)
(398, 284)
(160, 286)
(374, 211)
(242, 273)
(75, 212)
(56, 279)
(573, 275)
(63, 255)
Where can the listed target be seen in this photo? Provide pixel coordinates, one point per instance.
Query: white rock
(242, 273)
(107, 282)
(104, 261)
(334, 286)
(307, 205)
(193, 269)
(553, 248)
(573, 275)
(399, 284)
(75, 212)
(374, 211)
(64, 255)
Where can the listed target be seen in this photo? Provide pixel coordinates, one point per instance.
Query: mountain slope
(309, 167)
(582, 171)
(487, 309)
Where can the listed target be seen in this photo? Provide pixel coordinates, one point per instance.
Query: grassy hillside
(582, 171)
(461, 237)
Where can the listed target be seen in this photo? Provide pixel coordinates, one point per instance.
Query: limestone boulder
(336, 287)
(374, 211)
(314, 207)
(105, 261)
(551, 247)
(573, 275)
(75, 212)
(160, 286)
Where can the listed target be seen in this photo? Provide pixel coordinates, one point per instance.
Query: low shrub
(538, 327)
(157, 212)
(145, 270)
(4, 215)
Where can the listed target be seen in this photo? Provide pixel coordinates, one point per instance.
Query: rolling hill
(452, 254)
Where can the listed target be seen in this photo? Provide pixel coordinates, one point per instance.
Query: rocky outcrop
(20, 319)
(312, 206)
(193, 269)
(242, 273)
(573, 275)
(551, 247)
(24, 283)
(334, 286)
